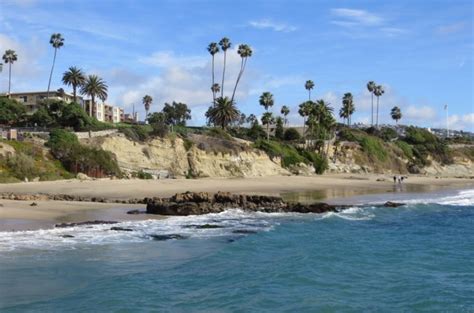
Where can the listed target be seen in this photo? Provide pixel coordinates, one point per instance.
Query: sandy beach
(17, 215)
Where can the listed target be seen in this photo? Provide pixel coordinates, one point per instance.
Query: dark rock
(34, 204)
(87, 223)
(244, 231)
(205, 226)
(135, 212)
(390, 204)
(121, 228)
(168, 237)
(66, 236)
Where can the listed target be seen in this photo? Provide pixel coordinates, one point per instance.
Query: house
(34, 99)
(105, 112)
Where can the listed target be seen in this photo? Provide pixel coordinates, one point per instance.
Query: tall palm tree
(213, 48)
(371, 87)
(267, 119)
(396, 114)
(74, 77)
(245, 52)
(251, 119)
(378, 92)
(223, 113)
(308, 86)
(285, 111)
(304, 110)
(9, 57)
(57, 41)
(147, 100)
(94, 86)
(347, 107)
(266, 100)
(225, 44)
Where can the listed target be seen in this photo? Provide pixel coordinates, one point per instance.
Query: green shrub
(218, 133)
(406, 148)
(387, 134)
(291, 134)
(288, 154)
(319, 162)
(143, 175)
(188, 144)
(374, 148)
(22, 165)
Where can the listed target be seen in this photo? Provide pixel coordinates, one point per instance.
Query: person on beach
(394, 179)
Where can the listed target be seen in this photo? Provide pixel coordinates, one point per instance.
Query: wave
(462, 198)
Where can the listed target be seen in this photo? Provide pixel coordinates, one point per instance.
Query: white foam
(462, 198)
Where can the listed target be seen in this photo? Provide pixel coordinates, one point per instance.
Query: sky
(420, 51)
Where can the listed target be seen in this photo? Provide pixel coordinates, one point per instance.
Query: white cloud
(420, 113)
(468, 118)
(356, 17)
(275, 26)
(168, 59)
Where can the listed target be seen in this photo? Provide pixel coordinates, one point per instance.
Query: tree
(11, 111)
(213, 48)
(223, 113)
(74, 77)
(304, 111)
(279, 131)
(396, 114)
(378, 92)
(176, 113)
(215, 88)
(320, 119)
(347, 107)
(225, 44)
(9, 57)
(291, 134)
(252, 119)
(73, 115)
(285, 111)
(371, 88)
(94, 86)
(147, 100)
(309, 85)
(245, 52)
(266, 100)
(267, 119)
(158, 122)
(57, 41)
(242, 119)
(42, 118)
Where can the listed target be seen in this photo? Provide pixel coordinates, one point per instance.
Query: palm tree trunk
(90, 105)
(242, 68)
(9, 78)
(74, 93)
(309, 94)
(223, 74)
(268, 131)
(213, 90)
(372, 117)
(377, 120)
(51, 74)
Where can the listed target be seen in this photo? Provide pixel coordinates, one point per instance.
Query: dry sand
(20, 215)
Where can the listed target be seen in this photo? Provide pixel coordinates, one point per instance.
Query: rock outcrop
(196, 203)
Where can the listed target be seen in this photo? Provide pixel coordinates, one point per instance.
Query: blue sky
(421, 51)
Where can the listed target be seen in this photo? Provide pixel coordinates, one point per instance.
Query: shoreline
(16, 215)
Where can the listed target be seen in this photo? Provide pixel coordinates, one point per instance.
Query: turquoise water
(414, 258)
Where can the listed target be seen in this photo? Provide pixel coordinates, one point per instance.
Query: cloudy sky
(421, 51)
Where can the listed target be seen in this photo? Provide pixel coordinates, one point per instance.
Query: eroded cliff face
(170, 156)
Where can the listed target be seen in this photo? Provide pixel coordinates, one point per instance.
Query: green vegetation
(143, 175)
(78, 158)
(426, 145)
(11, 111)
(291, 134)
(374, 148)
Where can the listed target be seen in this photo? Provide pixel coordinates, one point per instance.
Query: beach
(20, 215)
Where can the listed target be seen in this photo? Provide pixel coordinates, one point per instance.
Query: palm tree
(74, 77)
(371, 87)
(304, 111)
(245, 52)
(396, 114)
(347, 107)
(225, 44)
(308, 86)
(147, 100)
(215, 89)
(213, 48)
(266, 100)
(267, 119)
(9, 58)
(94, 86)
(223, 113)
(251, 119)
(378, 92)
(57, 41)
(285, 111)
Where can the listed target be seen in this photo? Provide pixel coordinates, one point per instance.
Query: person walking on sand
(394, 179)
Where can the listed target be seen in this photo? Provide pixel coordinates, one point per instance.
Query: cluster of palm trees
(90, 85)
(223, 110)
(378, 91)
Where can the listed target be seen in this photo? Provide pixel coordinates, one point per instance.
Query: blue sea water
(419, 257)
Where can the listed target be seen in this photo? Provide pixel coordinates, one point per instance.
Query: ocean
(414, 258)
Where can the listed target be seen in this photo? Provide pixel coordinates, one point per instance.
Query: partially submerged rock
(196, 203)
(87, 223)
(167, 237)
(390, 204)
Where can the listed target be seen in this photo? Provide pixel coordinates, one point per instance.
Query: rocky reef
(196, 203)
